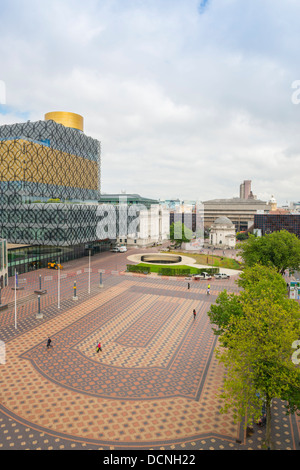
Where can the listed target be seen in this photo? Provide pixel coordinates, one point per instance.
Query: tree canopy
(220, 313)
(253, 281)
(257, 328)
(279, 249)
(180, 233)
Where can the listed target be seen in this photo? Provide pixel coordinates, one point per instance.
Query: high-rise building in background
(245, 190)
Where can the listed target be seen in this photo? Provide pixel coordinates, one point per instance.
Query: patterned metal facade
(48, 175)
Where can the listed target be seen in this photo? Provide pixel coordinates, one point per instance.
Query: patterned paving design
(153, 386)
(184, 364)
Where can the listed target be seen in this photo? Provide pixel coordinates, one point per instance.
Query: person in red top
(194, 313)
(99, 347)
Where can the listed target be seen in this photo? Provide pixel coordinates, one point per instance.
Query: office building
(245, 190)
(265, 224)
(134, 220)
(240, 211)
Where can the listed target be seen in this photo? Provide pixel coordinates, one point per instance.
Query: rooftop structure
(123, 198)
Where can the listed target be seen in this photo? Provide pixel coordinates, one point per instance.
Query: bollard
(40, 291)
(101, 284)
(39, 314)
(75, 292)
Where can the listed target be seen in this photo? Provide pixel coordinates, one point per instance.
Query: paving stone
(154, 384)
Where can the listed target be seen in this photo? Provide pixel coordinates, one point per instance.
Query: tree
(220, 313)
(180, 233)
(279, 249)
(254, 280)
(256, 349)
(258, 278)
(241, 236)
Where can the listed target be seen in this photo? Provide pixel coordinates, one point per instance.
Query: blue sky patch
(203, 6)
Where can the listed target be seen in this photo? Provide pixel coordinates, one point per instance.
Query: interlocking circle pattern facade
(47, 172)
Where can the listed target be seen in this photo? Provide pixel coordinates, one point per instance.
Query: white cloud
(185, 104)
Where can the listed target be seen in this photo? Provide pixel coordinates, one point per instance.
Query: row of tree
(258, 329)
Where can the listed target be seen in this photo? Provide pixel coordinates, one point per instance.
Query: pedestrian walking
(208, 289)
(188, 285)
(194, 313)
(49, 341)
(98, 347)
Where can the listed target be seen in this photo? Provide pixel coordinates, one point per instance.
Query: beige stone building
(240, 211)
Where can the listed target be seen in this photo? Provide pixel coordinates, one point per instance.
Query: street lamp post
(15, 299)
(89, 289)
(58, 284)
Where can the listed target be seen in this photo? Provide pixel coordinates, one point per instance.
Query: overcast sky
(188, 97)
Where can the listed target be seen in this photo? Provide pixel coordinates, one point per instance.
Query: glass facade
(29, 258)
(48, 175)
(269, 223)
(49, 192)
(56, 224)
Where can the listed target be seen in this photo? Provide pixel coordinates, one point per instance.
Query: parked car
(222, 276)
(203, 275)
(119, 249)
(54, 265)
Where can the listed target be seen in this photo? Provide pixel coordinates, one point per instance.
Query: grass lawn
(211, 260)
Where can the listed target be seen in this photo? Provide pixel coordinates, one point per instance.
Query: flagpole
(58, 284)
(89, 271)
(15, 299)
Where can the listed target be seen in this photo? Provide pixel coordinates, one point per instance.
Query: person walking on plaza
(49, 341)
(194, 313)
(98, 347)
(188, 285)
(208, 289)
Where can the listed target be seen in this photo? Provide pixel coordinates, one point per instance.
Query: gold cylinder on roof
(73, 120)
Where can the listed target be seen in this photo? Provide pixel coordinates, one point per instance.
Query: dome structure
(273, 204)
(222, 220)
(222, 233)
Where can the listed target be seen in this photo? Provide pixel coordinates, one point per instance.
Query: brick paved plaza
(154, 384)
